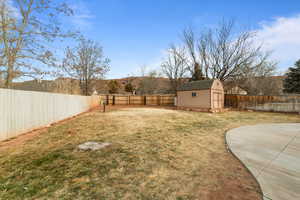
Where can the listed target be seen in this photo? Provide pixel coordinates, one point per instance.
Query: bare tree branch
(193, 62)
(222, 54)
(26, 29)
(175, 66)
(85, 63)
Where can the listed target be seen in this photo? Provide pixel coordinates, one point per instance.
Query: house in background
(204, 95)
(269, 85)
(235, 90)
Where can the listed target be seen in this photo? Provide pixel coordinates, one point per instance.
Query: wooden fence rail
(283, 103)
(288, 103)
(163, 100)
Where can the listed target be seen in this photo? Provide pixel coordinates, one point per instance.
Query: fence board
(283, 103)
(22, 111)
(139, 100)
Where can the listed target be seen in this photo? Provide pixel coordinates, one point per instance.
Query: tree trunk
(86, 87)
(9, 78)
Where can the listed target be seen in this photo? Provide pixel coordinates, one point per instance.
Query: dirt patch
(23, 138)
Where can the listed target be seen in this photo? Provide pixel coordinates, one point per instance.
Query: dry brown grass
(156, 154)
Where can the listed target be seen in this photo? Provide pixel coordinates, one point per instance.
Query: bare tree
(261, 81)
(175, 67)
(149, 81)
(220, 53)
(86, 63)
(27, 27)
(192, 61)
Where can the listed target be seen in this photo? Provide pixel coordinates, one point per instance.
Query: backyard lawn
(155, 154)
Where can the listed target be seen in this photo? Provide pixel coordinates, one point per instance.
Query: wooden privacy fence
(160, 100)
(283, 103)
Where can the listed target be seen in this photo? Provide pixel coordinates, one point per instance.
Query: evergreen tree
(129, 87)
(292, 81)
(197, 73)
(113, 86)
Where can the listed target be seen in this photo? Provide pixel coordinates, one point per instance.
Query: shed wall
(202, 100)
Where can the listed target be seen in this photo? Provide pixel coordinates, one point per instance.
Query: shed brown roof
(196, 85)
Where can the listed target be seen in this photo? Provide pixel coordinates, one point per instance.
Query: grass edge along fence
(280, 103)
(153, 100)
(24, 111)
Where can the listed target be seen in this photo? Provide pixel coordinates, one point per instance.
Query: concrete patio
(272, 153)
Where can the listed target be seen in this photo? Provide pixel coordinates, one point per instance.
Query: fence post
(113, 100)
(158, 100)
(145, 100)
(128, 101)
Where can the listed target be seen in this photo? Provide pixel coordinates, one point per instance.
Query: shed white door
(217, 99)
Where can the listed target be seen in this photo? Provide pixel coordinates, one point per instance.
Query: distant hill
(61, 85)
(272, 85)
(71, 86)
(160, 85)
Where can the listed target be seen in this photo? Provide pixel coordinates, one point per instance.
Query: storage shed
(204, 95)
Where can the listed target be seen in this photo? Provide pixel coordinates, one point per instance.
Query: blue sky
(136, 32)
